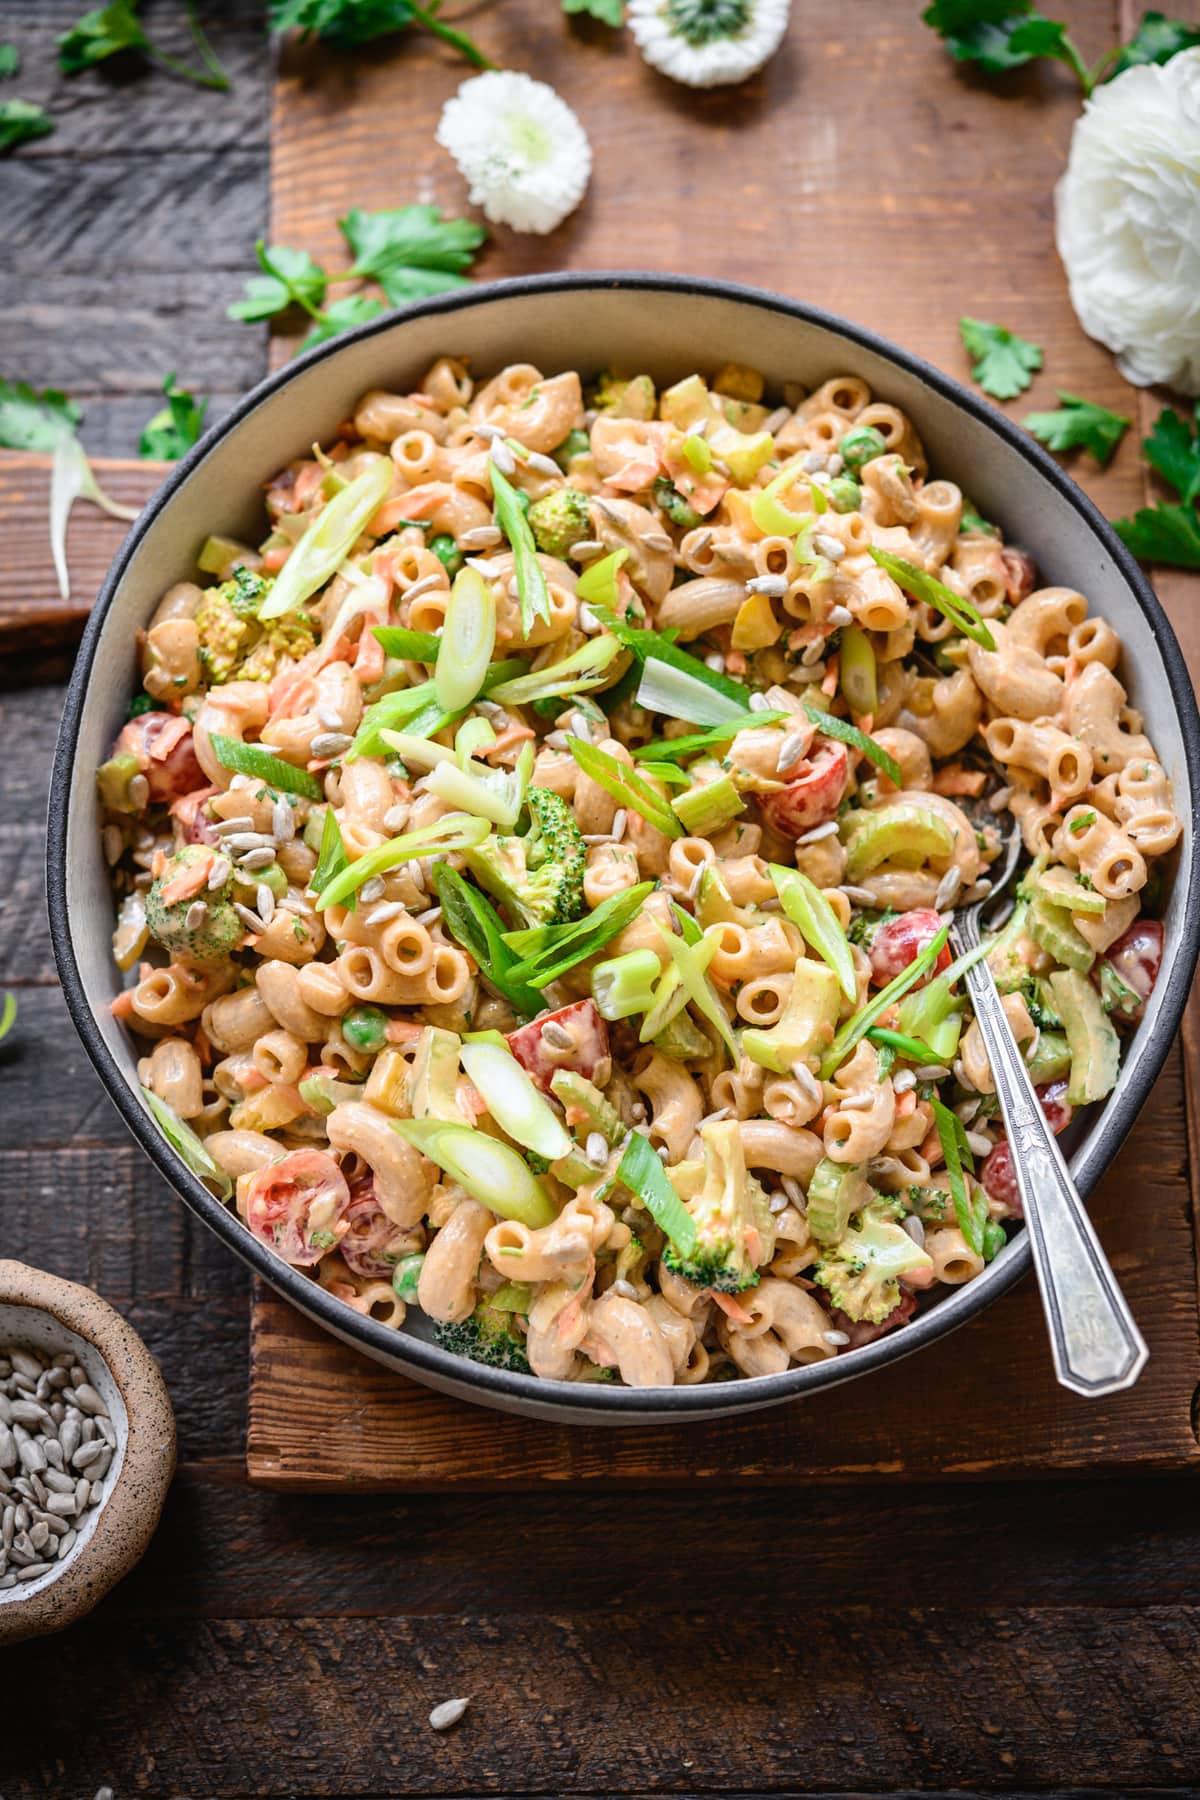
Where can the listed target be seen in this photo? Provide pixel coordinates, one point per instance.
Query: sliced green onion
(829, 725)
(665, 688)
(820, 503)
(962, 613)
(955, 1150)
(413, 646)
(518, 1107)
(856, 670)
(679, 748)
(858, 1026)
(933, 1014)
(642, 1172)
(548, 951)
(331, 857)
(467, 641)
(692, 961)
(597, 586)
(455, 831)
(706, 808)
(329, 539)
(252, 759)
(531, 583)
(662, 647)
(574, 674)
(669, 772)
(811, 913)
(670, 998)
(627, 788)
(491, 1172)
(497, 795)
(923, 1055)
(625, 985)
(768, 511)
(388, 712)
(473, 735)
(185, 1143)
(422, 752)
(470, 917)
(321, 1093)
(697, 453)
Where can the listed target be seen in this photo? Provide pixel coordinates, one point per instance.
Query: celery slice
(329, 539)
(768, 511)
(857, 671)
(707, 808)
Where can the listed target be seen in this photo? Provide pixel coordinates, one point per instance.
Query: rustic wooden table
(1020, 1637)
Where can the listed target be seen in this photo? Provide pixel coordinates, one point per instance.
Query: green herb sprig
(1001, 362)
(348, 24)
(1169, 531)
(171, 433)
(999, 35)
(115, 29)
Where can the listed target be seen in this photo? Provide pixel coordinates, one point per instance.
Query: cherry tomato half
(901, 940)
(589, 1043)
(297, 1206)
(813, 797)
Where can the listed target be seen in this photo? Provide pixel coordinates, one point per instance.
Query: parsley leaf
(997, 34)
(1079, 425)
(32, 421)
(609, 12)
(1168, 531)
(111, 30)
(171, 433)
(10, 61)
(347, 24)
(1002, 362)
(289, 278)
(342, 315)
(20, 121)
(1156, 40)
(411, 251)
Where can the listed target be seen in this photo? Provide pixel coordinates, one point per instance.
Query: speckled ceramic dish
(667, 326)
(44, 1313)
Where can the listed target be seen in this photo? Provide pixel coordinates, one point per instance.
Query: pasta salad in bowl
(535, 840)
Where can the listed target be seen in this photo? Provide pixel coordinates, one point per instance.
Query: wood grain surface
(939, 1638)
(863, 172)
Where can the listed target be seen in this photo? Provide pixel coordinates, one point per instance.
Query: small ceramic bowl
(44, 1313)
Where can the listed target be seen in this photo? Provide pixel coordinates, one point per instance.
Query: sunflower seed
(948, 889)
(858, 896)
(283, 821)
(817, 832)
(840, 615)
(238, 841)
(264, 901)
(773, 586)
(813, 653)
(858, 1101)
(503, 457)
(586, 547)
(331, 743)
(28, 1412)
(557, 1037)
(545, 465)
(219, 873)
(777, 1203)
(66, 1543)
(489, 570)
(597, 1148)
(415, 873)
(587, 619)
(113, 843)
(448, 1713)
(792, 747)
(138, 791)
(426, 585)
(26, 1363)
(390, 909)
(715, 662)
(486, 537)
(63, 1504)
(249, 919)
(759, 703)
(57, 1482)
(658, 540)
(195, 915)
(700, 541)
(903, 1080)
(839, 1339)
(932, 1072)
(33, 1570)
(978, 1144)
(514, 588)
(831, 548)
(812, 461)
(374, 889)
(792, 1189)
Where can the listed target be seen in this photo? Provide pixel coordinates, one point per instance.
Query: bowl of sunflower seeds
(87, 1450)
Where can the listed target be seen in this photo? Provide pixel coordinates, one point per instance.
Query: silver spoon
(1097, 1347)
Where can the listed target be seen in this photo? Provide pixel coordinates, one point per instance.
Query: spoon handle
(1097, 1347)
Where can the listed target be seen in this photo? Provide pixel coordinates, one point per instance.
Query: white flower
(1128, 212)
(522, 150)
(708, 43)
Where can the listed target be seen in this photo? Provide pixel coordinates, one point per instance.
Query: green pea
(861, 444)
(844, 494)
(406, 1274)
(365, 1028)
(576, 443)
(447, 552)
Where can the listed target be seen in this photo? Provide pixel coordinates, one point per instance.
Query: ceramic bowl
(44, 1313)
(667, 326)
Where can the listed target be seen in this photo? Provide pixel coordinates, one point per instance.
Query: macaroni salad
(535, 863)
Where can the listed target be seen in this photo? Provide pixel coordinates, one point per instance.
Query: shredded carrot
(304, 488)
(157, 863)
(122, 1006)
(735, 662)
(906, 1103)
(417, 503)
(273, 560)
(402, 1031)
(368, 659)
(829, 685)
(731, 1307)
(190, 880)
(512, 734)
(166, 740)
(956, 780)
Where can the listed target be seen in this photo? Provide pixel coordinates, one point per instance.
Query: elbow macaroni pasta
(295, 1033)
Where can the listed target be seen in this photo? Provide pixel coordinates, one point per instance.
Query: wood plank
(781, 1700)
(32, 611)
(984, 1402)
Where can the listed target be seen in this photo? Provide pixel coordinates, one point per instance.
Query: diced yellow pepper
(739, 382)
(755, 625)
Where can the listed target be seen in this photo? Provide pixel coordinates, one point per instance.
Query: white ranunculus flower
(708, 43)
(1128, 216)
(521, 148)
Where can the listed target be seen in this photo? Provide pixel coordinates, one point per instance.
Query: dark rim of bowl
(401, 1348)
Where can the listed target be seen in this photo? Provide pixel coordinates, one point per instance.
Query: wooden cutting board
(862, 171)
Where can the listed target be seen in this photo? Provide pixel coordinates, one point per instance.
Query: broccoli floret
(1036, 995)
(624, 398)
(668, 499)
(218, 930)
(233, 643)
(487, 1337)
(1004, 959)
(538, 876)
(726, 1216)
(559, 521)
(862, 1272)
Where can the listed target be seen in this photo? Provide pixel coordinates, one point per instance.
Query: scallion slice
(331, 857)
(470, 917)
(768, 511)
(517, 1106)
(679, 694)
(583, 670)
(923, 1055)
(412, 646)
(811, 913)
(679, 748)
(627, 788)
(493, 794)
(956, 1151)
(692, 961)
(329, 539)
(597, 586)
(862, 1021)
(252, 759)
(467, 641)
(857, 670)
(625, 985)
(548, 951)
(662, 647)
(829, 725)
(455, 831)
(185, 1143)
(531, 583)
(491, 1172)
(962, 613)
(642, 1172)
